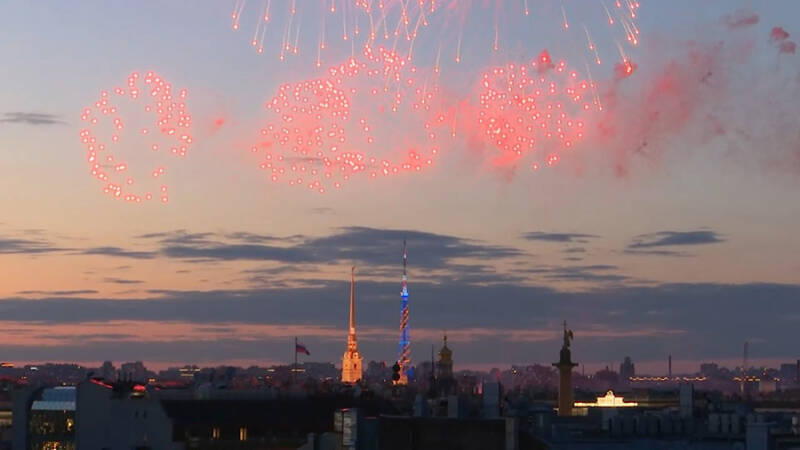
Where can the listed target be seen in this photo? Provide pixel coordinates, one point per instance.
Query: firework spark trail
(278, 27)
(452, 18)
(328, 130)
(110, 133)
(406, 25)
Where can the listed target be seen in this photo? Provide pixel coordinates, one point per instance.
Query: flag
(300, 348)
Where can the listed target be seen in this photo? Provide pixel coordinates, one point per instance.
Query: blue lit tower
(404, 345)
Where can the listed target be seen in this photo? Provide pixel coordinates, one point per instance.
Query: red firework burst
(539, 105)
(372, 115)
(112, 133)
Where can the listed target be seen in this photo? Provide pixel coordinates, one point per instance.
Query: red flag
(300, 348)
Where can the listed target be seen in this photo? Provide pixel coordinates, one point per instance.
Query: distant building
(606, 379)
(686, 400)
(492, 395)
(120, 415)
(108, 371)
(710, 370)
(788, 372)
(378, 372)
(51, 419)
(352, 359)
(96, 415)
(402, 433)
(134, 371)
(627, 370)
(607, 401)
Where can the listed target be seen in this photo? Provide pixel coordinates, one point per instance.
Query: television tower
(404, 345)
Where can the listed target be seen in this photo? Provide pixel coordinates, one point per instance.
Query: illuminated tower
(404, 345)
(351, 361)
(564, 366)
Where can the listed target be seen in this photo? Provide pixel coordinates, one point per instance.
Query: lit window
(243, 433)
(215, 433)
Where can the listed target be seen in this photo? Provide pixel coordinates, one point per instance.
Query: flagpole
(294, 372)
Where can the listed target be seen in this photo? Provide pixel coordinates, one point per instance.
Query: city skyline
(678, 239)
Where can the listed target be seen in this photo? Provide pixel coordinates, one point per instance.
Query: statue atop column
(568, 336)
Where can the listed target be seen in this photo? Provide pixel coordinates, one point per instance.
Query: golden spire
(353, 299)
(351, 360)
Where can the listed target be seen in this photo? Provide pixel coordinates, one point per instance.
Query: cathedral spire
(351, 360)
(353, 299)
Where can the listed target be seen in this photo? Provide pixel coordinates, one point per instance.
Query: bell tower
(351, 361)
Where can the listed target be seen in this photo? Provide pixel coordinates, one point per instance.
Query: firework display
(374, 106)
(491, 26)
(299, 29)
(292, 27)
(520, 109)
(330, 129)
(536, 105)
(140, 122)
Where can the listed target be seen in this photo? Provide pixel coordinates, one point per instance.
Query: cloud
(598, 273)
(118, 252)
(676, 254)
(513, 323)
(323, 211)
(121, 281)
(559, 237)
(253, 237)
(59, 293)
(675, 238)
(369, 246)
(178, 237)
(31, 118)
(10, 245)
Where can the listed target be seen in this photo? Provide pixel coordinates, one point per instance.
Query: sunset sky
(672, 229)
